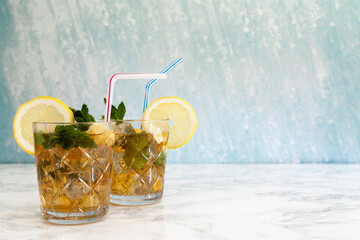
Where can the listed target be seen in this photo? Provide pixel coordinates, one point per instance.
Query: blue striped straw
(152, 81)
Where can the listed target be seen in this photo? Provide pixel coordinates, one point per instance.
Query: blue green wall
(270, 81)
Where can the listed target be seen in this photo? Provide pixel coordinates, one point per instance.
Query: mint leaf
(138, 163)
(139, 148)
(120, 111)
(83, 114)
(160, 161)
(47, 140)
(139, 141)
(116, 113)
(78, 115)
(83, 127)
(79, 119)
(113, 112)
(67, 136)
(71, 137)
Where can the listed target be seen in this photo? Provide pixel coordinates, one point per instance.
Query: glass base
(135, 200)
(73, 218)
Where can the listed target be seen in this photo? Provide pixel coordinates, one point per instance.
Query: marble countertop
(206, 202)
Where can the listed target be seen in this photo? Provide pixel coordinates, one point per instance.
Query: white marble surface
(206, 202)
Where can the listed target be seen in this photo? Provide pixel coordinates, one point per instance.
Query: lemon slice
(40, 109)
(101, 134)
(182, 117)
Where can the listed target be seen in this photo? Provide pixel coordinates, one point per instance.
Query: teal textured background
(270, 81)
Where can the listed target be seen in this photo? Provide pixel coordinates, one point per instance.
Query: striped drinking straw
(154, 78)
(118, 76)
(151, 82)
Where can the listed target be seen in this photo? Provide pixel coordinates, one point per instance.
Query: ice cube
(157, 134)
(124, 128)
(139, 149)
(101, 134)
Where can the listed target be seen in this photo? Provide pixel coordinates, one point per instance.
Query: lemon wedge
(182, 117)
(137, 130)
(101, 134)
(40, 109)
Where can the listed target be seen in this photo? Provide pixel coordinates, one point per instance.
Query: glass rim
(140, 120)
(69, 123)
(103, 121)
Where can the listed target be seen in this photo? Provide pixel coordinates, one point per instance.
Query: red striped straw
(118, 76)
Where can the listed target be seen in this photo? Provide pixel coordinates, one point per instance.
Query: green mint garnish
(160, 161)
(47, 140)
(135, 147)
(67, 136)
(83, 114)
(119, 112)
(71, 137)
(116, 113)
(138, 163)
(140, 148)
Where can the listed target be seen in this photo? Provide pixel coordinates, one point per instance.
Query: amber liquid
(74, 184)
(137, 170)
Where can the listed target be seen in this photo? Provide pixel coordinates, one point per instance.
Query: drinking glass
(139, 159)
(73, 162)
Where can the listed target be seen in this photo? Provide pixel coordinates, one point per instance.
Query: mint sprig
(160, 161)
(83, 114)
(141, 148)
(136, 149)
(67, 136)
(117, 113)
(72, 137)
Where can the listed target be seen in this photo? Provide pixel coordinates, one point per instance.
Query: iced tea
(139, 160)
(73, 168)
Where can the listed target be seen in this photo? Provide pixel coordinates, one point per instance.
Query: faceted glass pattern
(138, 169)
(74, 184)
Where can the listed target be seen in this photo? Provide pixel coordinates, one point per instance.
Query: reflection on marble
(206, 202)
